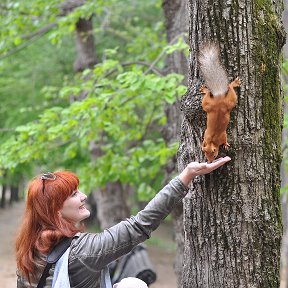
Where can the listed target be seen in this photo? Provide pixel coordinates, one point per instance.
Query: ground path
(10, 218)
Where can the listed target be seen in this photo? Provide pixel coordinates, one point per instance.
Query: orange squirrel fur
(219, 100)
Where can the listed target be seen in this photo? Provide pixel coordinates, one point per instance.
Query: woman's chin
(82, 217)
(84, 213)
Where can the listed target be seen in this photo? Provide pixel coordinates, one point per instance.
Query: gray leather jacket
(90, 253)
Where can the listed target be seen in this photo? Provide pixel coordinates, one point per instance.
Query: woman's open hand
(194, 169)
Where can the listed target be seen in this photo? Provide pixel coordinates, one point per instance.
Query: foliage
(123, 109)
(117, 113)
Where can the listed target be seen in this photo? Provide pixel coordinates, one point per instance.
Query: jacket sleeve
(95, 251)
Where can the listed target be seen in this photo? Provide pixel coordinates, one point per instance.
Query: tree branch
(154, 69)
(41, 31)
(163, 53)
(33, 37)
(6, 130)
(67, 7)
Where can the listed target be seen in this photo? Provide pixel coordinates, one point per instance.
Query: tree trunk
(232, 217)
(84, 38)
(111, 205)
(85, 46)
(14, 196)
(176, 24)
(111, 200)
(3, 197)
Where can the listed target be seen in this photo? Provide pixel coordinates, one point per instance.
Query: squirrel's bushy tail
(214, 74)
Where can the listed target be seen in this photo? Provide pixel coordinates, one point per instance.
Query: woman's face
(74, 207)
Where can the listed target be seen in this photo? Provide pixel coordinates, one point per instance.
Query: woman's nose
(83, 197)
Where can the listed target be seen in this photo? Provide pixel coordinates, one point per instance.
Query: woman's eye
(74, 193)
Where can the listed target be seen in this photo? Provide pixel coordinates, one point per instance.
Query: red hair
(42, 225)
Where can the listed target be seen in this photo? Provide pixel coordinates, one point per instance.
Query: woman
(55, 208)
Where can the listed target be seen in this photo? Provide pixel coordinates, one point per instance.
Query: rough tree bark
(176, 24)
(232, 217)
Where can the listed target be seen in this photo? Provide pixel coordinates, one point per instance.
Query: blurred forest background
(94, 87)
(87, 86)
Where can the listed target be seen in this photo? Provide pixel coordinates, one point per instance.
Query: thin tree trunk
(85, 46)
(14, 196)
(3, 197)
(112, 200)
(232, 217)
(176, 23)
(111, 204)
(84, 38)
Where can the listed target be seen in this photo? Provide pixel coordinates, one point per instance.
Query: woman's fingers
(217, 163)
(204, 168)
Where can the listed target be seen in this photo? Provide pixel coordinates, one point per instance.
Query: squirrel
(219, 100)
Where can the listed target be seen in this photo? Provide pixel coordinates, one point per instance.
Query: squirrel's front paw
(236, 82)
(226, 146)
